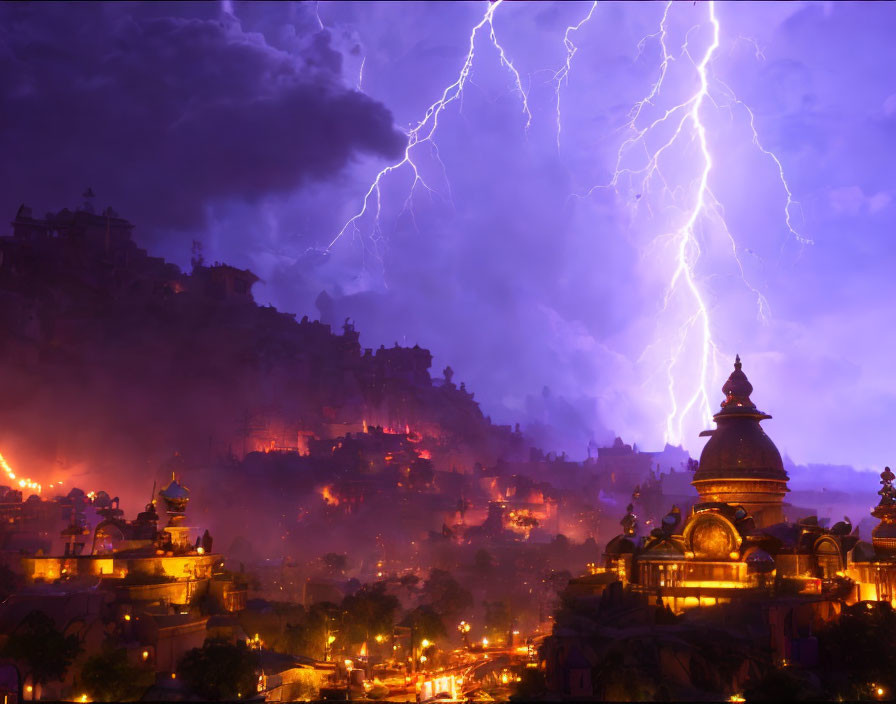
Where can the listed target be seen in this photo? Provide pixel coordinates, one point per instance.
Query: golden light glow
(145, 655)
(485, 642)
(379, 638)
(127, 617)
(22, 483)
(425, 643)
(329, 497)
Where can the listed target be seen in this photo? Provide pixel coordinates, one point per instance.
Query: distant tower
(884, 535)
(176, 497)
(740, 464)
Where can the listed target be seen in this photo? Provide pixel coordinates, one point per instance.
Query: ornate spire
(884, 535)
(887, 503)
(740, 464)
(737, 390)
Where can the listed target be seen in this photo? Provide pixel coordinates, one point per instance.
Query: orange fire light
(329, 497)
(22, 483)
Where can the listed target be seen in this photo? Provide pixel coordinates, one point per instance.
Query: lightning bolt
(561, 77)
(684, 125)
(423, 133)
(639, 165)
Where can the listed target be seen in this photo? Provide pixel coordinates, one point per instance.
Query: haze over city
(475, 351)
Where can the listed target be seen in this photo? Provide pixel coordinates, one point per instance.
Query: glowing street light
(464, 629)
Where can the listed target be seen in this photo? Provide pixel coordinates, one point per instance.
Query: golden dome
(740, 464)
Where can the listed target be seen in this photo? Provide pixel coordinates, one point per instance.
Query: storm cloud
(250, 128)
(162, 114)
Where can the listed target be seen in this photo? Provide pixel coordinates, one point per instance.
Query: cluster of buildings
(773, 576)
(359, 434)
(145, 584)
(737, 536)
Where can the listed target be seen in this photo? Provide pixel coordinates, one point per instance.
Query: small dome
(760, 562)
(620, 545)
(175, 491)
(739, 448)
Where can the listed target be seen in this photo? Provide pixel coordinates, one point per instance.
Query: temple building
(873, 566)
(740, 464)
(137, 559)
(736, 541)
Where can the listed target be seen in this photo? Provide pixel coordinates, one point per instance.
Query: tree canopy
(42, 648)
(220, 671)
(110, 677)
(445, 594)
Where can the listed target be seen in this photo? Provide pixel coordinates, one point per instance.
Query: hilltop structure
(736, 540)
(141, 563)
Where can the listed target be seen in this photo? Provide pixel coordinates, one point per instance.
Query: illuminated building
(740, 464)
(873, 566)
(137, 560)
(735, 542)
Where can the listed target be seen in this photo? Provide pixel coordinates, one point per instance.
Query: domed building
(740, 464)
(736, 540)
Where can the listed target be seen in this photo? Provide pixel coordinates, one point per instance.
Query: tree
(853, 651)
(110, 677)
(220, 671)
(45, 652)
(271, 623)
(447, 597)
(369, 612)
(424, 623)
(309, 636)
(498, 621)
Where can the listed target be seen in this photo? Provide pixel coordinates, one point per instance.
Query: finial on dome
(738, 388)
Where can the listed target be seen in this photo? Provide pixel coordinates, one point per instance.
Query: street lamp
(464, 629)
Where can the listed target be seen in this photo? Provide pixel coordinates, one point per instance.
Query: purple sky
(242, 126)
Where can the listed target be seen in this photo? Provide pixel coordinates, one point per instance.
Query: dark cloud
(237, 131)
(161, 115)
